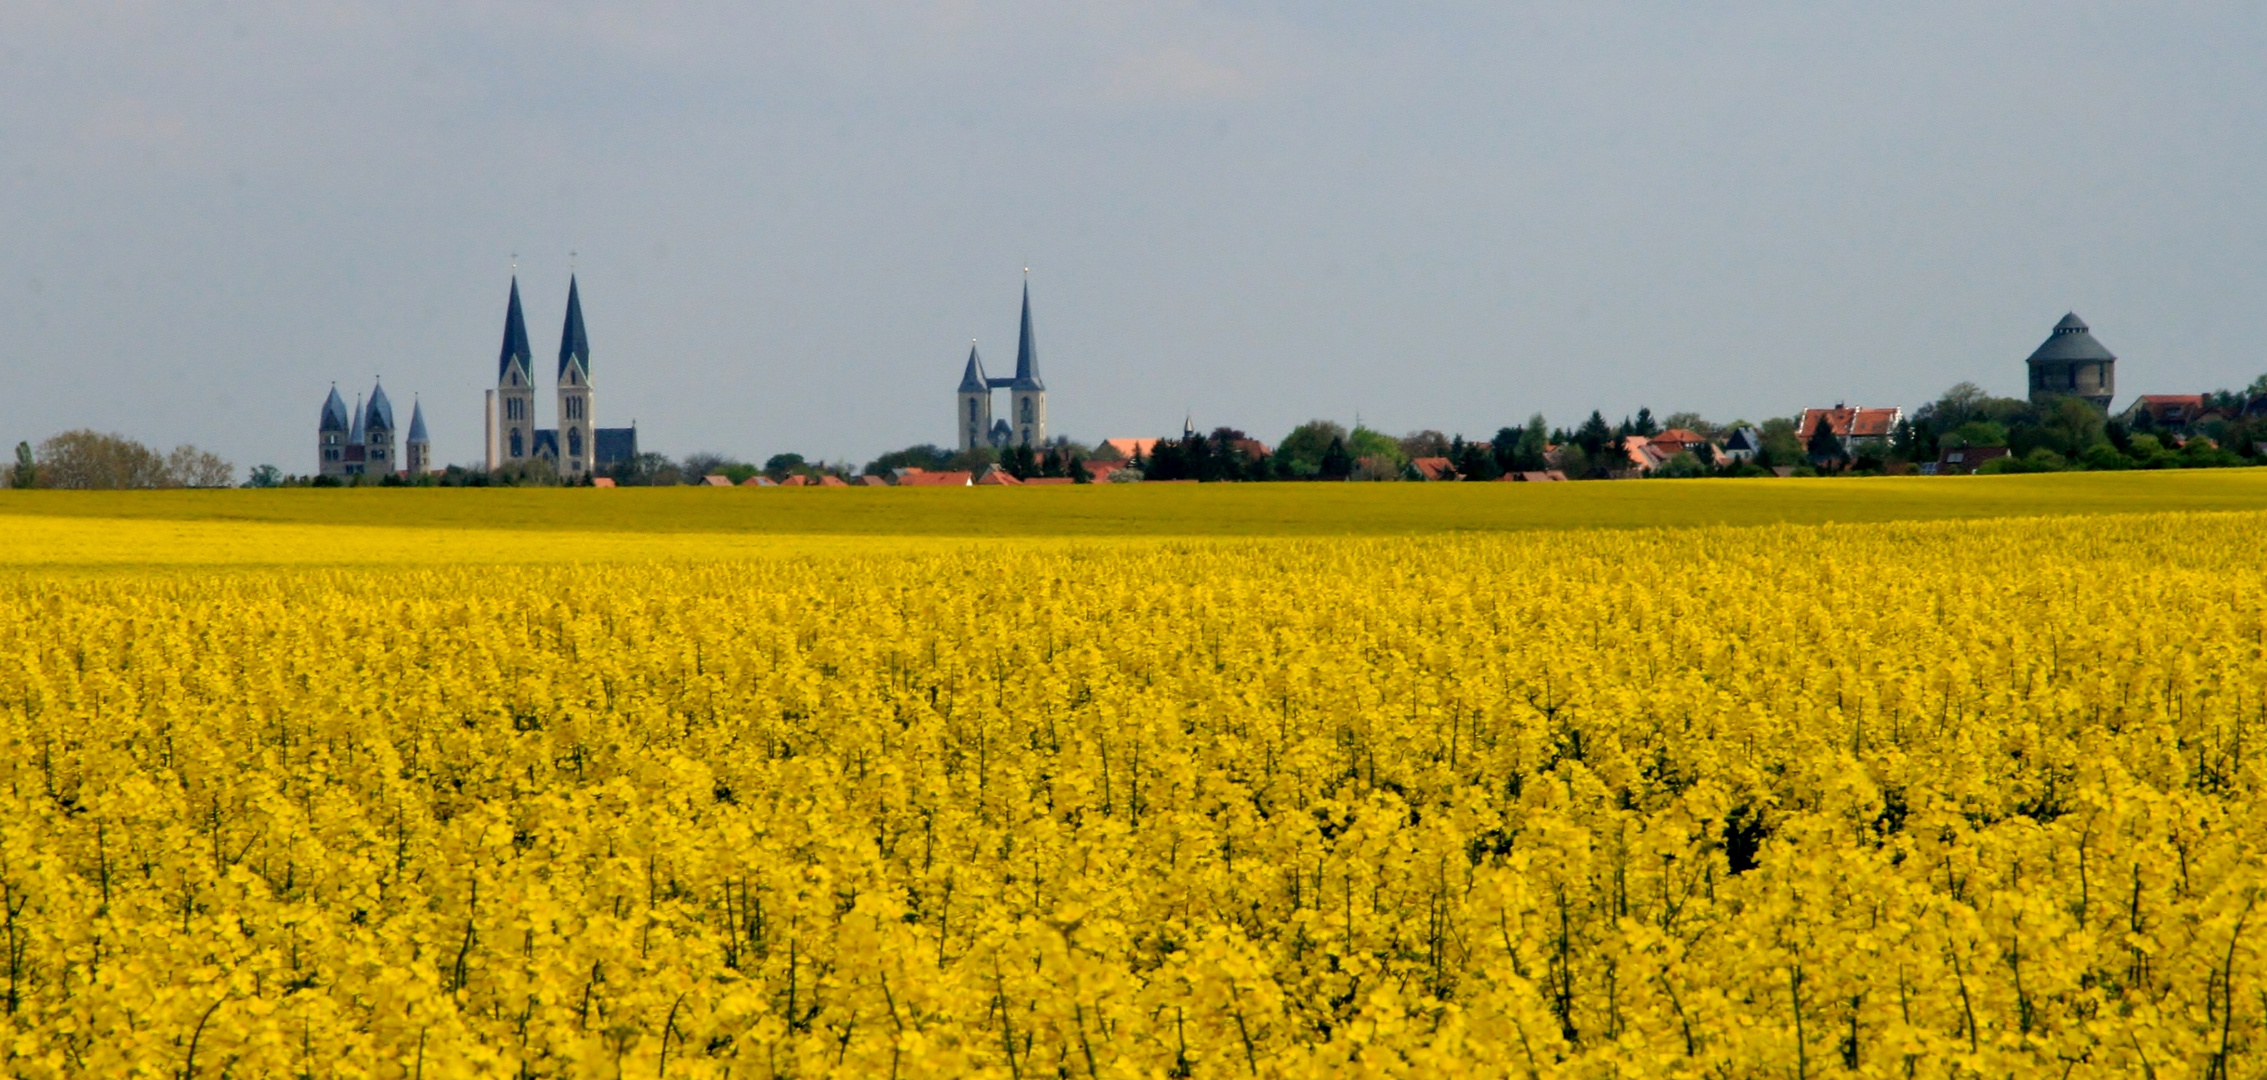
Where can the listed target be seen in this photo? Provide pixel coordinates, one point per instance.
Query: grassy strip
(1181, 510)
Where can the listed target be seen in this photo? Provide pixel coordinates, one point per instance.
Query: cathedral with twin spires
(577, 448)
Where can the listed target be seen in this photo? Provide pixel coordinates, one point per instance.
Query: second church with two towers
(1026, 422)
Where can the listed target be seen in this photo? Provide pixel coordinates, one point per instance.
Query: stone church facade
(362, 443)
(1026, 422)
(576, 447)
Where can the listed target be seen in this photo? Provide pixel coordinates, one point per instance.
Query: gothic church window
(574, 442)
(516, 448)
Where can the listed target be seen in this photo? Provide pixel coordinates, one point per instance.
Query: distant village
(2066, 422)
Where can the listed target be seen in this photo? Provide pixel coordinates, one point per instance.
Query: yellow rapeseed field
(1952, 798)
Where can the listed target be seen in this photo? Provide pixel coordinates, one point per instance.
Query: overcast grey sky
(791, 218)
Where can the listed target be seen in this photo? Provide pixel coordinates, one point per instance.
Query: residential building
(1966, 459)
(1433, 468)
(1857, 428)
(2169, 411)
(1685, 441)
(1743, 444)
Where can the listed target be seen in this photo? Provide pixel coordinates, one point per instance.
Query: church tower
(576, 445)
(418, 450)
(330, 437)
(354, 459)
(972, 403)
(378, 435)
(1027, 399)
(515, 388)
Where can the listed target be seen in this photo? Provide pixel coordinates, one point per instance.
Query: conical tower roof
(2071, 340)
(515, 339)
(381, 410)
(1027, 350)
(972, 377)
(417, 422)
(574, 344)
(334, 412)
(355, 436)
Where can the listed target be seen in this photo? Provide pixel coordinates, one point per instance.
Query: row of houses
(988, 476)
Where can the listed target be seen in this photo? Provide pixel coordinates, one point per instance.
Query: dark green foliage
(26, 473)
(928, 456)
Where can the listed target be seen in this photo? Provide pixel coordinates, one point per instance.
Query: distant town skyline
(790, 219)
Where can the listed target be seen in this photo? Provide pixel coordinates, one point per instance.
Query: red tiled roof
(1851, 422)
(2171, 409)
(1434, 468)
(758, 480)
(716, 480)
(797, 480)
(923, 478)
(602, 481)
(1101, 470)
(994, 476)
(872, 481)
(1644, 456)
(1131, 448)
(831, 480)
(1037, 481)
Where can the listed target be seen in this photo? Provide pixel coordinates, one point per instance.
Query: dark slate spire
(381, 410)
(1027, 350)
(354, 437)
(334, 412)
(574, 345)
(515, 339)
(417, 422)
(972, 379)
(2071, 340)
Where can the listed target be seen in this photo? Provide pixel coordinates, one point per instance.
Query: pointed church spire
(972, 378)
(515, 338)
(381, 411)
(354, 437)
(417, 421)
(334, 412)
(574, 344)
(1027, 348)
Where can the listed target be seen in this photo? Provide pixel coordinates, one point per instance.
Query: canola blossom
(1940, 799)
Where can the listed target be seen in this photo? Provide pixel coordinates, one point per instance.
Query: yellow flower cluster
(1930, 799)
